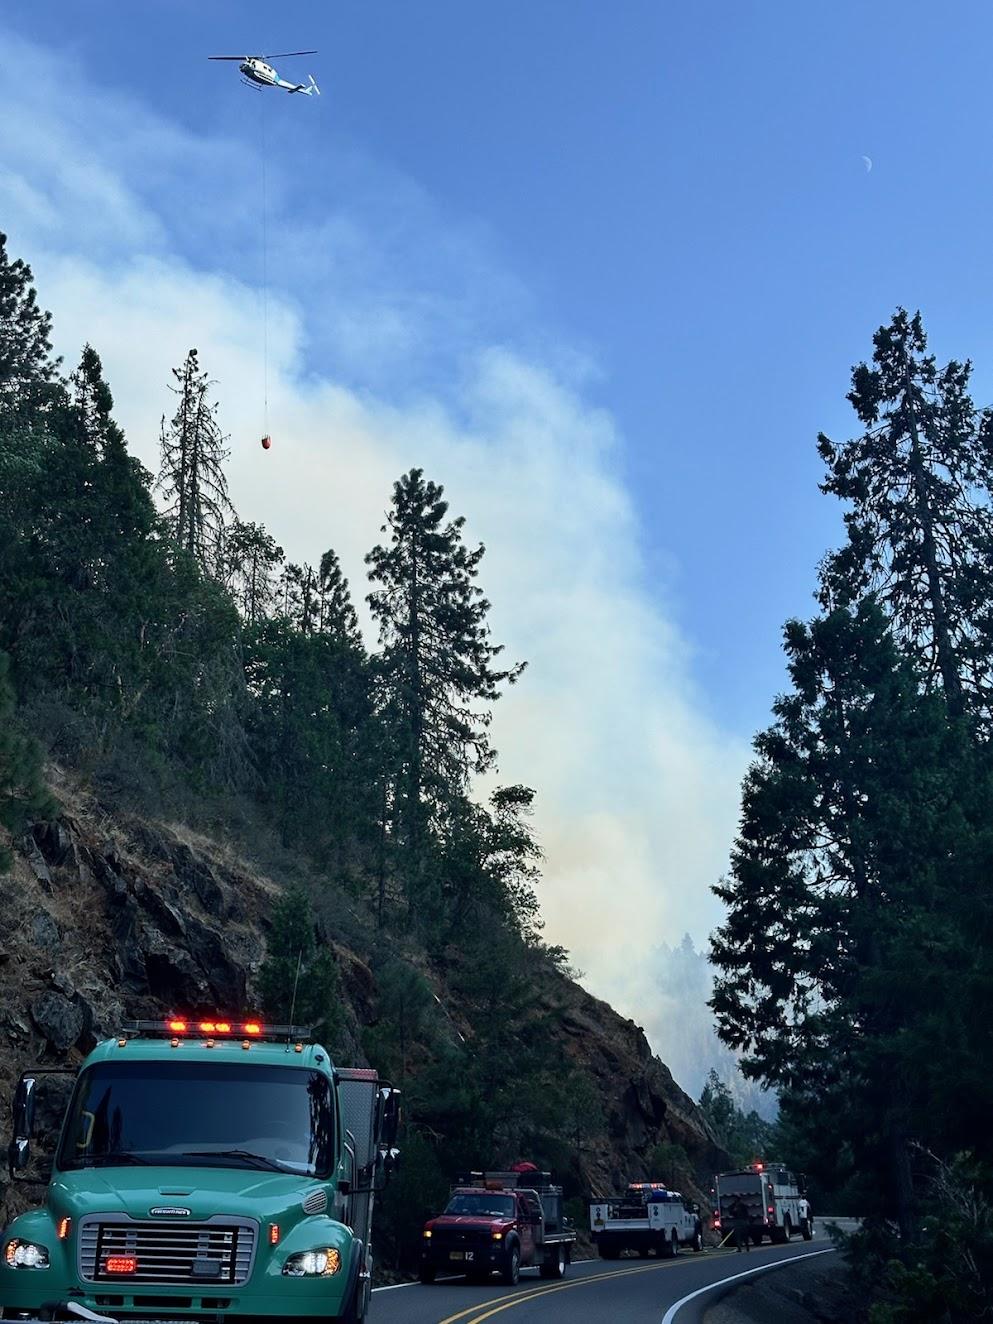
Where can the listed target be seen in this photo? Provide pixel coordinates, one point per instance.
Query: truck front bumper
(297, 1299)
(464, 1259)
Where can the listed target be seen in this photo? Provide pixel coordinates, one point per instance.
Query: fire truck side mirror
(390, 1160)
(19, 1152)
(390, 1124)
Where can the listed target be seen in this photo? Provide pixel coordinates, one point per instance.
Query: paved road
(593, 1292)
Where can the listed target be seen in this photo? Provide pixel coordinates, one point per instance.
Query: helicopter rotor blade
(285, 55)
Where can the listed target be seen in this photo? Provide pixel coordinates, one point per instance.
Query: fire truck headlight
(25, 1255)
(321, 1263)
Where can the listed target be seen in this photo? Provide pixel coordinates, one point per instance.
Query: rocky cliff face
(107, 916)
(644, 1107)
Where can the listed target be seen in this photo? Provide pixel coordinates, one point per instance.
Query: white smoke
(138, 232)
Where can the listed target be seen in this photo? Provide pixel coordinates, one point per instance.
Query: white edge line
(670, 1314)
(392, 1287)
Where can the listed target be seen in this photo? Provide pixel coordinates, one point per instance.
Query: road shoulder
(809, 1292)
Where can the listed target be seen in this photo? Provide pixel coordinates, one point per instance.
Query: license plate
(460, 1254)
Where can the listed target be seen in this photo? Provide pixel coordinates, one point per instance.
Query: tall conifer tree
(337, 615)
(192, 472)
(438, 664)
(920, 525)
(252, 559)
(27, 369)
(852, 819)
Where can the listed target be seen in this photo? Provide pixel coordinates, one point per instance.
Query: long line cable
(265, 268)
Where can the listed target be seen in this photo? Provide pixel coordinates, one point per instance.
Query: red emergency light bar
(120, 1264)
(179, 1026)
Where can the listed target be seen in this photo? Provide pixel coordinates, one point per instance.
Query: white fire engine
(775, 1198)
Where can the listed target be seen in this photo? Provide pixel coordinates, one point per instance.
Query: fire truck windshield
(200, 1114)
(492, 1206)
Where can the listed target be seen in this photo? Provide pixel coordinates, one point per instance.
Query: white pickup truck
(647, 1217)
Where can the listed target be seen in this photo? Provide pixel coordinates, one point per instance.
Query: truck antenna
(296, 980)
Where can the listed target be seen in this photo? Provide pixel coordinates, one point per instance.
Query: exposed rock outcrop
(107, 917)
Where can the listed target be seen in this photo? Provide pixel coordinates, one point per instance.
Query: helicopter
(257, 73)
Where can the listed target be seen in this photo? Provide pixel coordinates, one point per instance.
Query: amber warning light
(173, 1026)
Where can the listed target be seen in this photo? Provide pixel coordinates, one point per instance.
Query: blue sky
(680, 192)
(602, 268)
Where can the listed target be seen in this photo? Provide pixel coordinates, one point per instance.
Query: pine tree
(22, 788)
(298, 981)
(488, 860)
(192, 472)
(123, 483)
(920, 526)
(298, 597)
(850, 879)
(336, 614)
(27, 370)
(316, 736)
(252, 559)
(744, 1135)
(513, 860)
(437, 666)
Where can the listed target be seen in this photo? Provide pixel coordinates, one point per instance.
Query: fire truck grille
(125, 1250)
(446, 1239)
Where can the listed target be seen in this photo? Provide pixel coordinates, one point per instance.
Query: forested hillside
(856, 962)
(208, 782)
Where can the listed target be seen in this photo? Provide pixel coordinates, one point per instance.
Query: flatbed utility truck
(647, 1217)
(775, 1198)
(205, 1169)
(499, 1222)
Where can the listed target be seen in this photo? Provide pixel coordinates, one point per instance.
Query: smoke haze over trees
(682, 1024)
(180, 664)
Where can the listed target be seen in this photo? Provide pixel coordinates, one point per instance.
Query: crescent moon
(868, 164)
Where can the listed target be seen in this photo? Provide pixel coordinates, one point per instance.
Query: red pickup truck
(499, 1222)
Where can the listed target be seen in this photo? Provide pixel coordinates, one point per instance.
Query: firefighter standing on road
(739, 1224)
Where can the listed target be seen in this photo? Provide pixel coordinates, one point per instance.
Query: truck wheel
(512, 1268)
(427, 1274)
(554, 1264)
(806, 1230)
(670, 1247)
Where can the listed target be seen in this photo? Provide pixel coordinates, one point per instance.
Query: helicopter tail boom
(307, 89)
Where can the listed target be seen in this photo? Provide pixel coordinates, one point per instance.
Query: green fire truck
(204, 1169)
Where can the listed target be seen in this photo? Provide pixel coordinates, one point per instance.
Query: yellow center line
(498, 1304)
(519, 1298)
